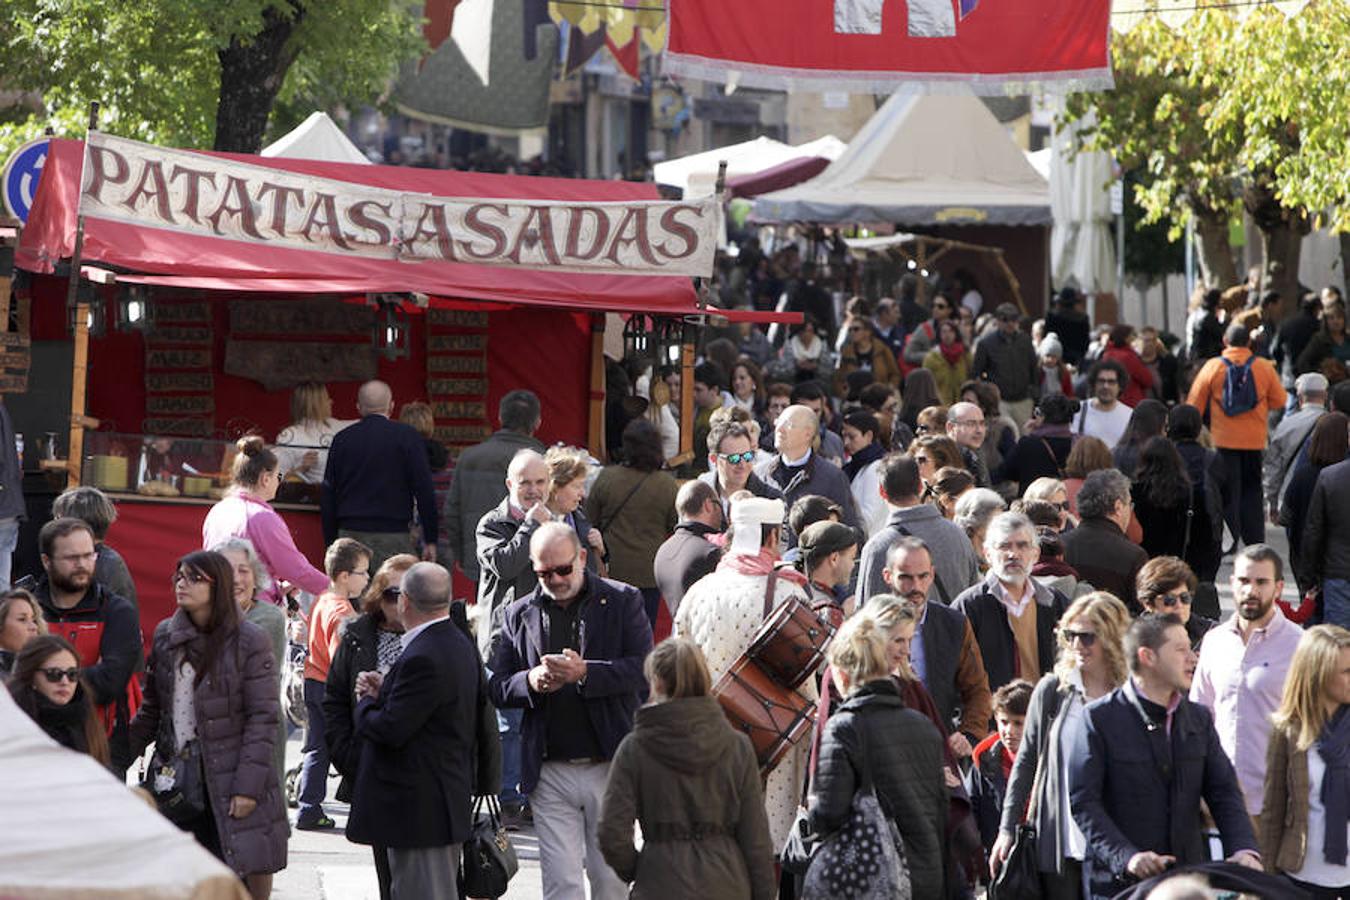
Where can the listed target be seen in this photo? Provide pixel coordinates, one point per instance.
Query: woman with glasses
(1091, 664)
(211, 681)
(48, 687)
(246, 512)
(371, 642)
(1167, 585)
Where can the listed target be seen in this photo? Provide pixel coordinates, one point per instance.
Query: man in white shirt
(1104, 416)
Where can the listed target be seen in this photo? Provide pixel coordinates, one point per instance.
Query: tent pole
(595, 433)
(79, 377)
(686, 396)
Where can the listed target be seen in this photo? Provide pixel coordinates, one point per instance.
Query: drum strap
(770, 584)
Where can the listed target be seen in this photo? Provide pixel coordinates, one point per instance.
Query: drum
(772, 716)
(790, 644)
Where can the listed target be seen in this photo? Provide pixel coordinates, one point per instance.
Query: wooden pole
(79, 373)
(687, 396)
(595, 432)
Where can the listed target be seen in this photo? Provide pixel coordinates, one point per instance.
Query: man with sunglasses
(1243, 665)
(570, 655)
(925, 337)
(1167, 585)
(731, 464)
(102, 625)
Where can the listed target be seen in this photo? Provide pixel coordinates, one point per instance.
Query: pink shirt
(1242, 684)
(241, 515)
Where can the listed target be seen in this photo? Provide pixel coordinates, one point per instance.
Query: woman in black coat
(1210, 488)
(63, 708)
(902, 748)
(1044, 452)
(1163, 500)
(1326, 447)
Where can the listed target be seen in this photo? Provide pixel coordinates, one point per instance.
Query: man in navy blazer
(1143, 760)
(414, 781)
(570, 653)
(377, 469)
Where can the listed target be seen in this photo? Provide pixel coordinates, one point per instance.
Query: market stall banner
(193, 193)
(878, 45)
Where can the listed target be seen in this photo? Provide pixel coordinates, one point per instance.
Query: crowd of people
(1007, 536)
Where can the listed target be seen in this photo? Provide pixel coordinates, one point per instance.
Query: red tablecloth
(152, 536)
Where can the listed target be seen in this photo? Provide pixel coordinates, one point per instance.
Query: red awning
(776, 178)
(190, 261)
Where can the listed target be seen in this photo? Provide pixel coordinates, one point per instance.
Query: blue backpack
(1239, 387)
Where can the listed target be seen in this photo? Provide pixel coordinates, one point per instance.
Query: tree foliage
(156, 65)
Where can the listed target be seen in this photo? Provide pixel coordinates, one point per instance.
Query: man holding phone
(570, 654)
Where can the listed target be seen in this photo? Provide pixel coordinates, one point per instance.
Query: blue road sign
(19, 181)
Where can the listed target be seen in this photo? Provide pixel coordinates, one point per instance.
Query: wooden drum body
(790, 644)
(771, 715)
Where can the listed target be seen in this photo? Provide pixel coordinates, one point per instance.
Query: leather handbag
(489, 860)
(1020, 876)
(176, 783)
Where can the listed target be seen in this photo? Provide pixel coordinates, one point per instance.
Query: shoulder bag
(489, 860)
(864, 859)
(177, 781)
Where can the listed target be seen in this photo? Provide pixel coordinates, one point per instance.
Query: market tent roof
(923, 159)
(73, 830)
(697, 174)
(192, 261)
(318, 137)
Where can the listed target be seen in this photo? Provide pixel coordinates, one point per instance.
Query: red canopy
(776, 178)
(191, 261)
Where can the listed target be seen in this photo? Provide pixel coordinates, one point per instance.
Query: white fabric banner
(194, 193)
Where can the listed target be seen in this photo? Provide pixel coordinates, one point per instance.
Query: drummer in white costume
(721, 613)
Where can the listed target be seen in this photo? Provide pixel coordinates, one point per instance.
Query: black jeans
(1244, 513)
(1317, 892)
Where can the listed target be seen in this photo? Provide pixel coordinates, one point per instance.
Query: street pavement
(325, 866)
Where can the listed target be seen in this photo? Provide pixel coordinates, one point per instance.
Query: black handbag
(800, 845)
(489, 860)
(1020, 877)
(177, 783)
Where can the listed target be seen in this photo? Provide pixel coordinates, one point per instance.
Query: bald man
(377, 471)
(966, 426)
(797, 470)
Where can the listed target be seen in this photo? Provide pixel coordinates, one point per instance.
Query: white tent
(318, 137)
(71, 831)
(1081, 248)
(697, 174)
(921, 160)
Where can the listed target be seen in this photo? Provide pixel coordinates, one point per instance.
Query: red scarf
(761, 564)
(952, 352)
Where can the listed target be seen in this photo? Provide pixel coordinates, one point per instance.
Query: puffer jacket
(238, 709)
(693, 783)
(904, 752)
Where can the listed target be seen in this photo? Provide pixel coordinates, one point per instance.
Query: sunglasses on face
(1171, 601)
(921, 460)
(737, 458)
(555, 572)
(1086, 638)
(54, 676)
(390, 595)
(189, 578)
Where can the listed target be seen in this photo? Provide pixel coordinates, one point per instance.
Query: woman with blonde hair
(1306, 812)
(1091, 664)
(900, 750)
(692, 782)
(661, 413)
(568, 470)
(422, 418)
(303, 444)
(1052, 490)
(20, 621)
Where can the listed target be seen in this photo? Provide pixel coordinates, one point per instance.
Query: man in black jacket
(688, 555)
(103, 626)
(1071, 324)
(1098, 548)
(1326, 542)
(570, 655)
(1144, 759)
(797, 470)
(377, 469)
(414, 778)
(1014, 617)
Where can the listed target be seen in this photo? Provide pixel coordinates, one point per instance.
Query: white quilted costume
(721, 613)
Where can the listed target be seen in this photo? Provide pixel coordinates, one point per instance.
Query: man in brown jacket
(944, 653)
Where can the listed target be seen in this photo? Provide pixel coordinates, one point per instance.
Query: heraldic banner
(993, 46)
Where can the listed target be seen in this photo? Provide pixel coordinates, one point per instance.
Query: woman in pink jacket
(247, 513)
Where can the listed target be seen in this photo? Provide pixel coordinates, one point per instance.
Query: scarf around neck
(858, 461)
(952, 352)
(1334, 746)
(761, 564)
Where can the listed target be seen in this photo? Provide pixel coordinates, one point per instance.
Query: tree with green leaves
(197, 73)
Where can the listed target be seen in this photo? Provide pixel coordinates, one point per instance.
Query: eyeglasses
(921, 460)
(1172, 600)
(1108, 381)
(182, 577)
(1086, 638)
(54, 676)
(736, 459)
(390, 595)
(921, 429)
(1063, 506)
(76, 557)
(555, 572)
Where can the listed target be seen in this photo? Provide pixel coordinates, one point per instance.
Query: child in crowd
(347, 563)
(993, 757)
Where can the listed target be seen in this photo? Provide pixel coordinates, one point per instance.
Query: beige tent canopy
(318, 137)
(71, 831)
(922, 160)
